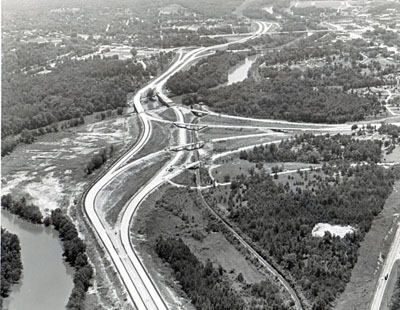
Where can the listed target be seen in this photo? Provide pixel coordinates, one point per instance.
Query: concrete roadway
(141, 290)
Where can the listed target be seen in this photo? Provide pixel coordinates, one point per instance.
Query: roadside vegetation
(395, 302)
(11, 264)
(99, 159)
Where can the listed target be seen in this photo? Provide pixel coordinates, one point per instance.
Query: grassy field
(161, 137)
(114, 196)
(215, 133)
(359, 291)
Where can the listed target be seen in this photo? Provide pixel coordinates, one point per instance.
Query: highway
(392, 257)
(139, 286)
(141, 290)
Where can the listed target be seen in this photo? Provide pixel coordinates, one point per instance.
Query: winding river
(46, 281)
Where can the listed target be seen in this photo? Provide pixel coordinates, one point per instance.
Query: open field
(51, 171)
(185, 178)
(215, 133)
(115, 195)
(359, 291)
(161, 137)
(239, 166)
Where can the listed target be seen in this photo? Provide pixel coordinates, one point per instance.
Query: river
(239, 72)
(46, 281)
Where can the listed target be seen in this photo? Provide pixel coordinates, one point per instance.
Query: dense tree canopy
(280, 220)
(72, 90)
(204, 284)
(11, 264)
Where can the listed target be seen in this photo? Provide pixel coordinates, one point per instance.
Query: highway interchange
(140, 288)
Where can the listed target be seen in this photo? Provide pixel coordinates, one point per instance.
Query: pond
(239, 72)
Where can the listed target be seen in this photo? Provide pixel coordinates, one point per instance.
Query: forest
(287, 96)
(11, 264)
(207, 73)
(75, 254)
(204, 284)
(72, 90)
(22, 209)
(280, 220)
(314, 149)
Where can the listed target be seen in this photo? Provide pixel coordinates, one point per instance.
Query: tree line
(22, 209)
(314, 149)
(11, 264)
(75, 254)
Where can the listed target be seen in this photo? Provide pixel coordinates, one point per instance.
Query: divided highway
(141, 290)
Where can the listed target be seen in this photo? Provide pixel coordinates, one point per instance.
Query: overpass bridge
(194, 127)
(187, 147)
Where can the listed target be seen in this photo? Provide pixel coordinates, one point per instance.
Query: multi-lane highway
(139, 286)
(389, 263)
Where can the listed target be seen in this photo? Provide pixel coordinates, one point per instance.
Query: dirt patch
(359, 291)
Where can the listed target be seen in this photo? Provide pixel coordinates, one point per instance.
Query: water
(46, 281)
(239, 73)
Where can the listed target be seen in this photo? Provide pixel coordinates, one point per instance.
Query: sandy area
(336, 230)
(46, 194)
